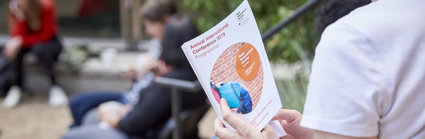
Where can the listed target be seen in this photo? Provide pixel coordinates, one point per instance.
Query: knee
(74, 102)
(46, 51)
(38, 50)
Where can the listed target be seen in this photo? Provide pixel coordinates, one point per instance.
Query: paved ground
(35, 119)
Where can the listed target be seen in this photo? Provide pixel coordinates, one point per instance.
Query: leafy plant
(292, 44)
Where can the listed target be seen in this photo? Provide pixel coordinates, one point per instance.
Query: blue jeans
(82, 103)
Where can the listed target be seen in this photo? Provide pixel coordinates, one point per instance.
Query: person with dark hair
(155, 15)
(153, 109)
(33, 29)
(330, 11)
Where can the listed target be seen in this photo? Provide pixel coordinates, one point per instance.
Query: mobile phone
(13, 6)
(14, 9)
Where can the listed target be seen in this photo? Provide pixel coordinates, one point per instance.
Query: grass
(292, 93)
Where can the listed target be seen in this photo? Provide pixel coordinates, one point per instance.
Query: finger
(268, 133)
(221, 131)
(288, 115)
(235, 121)
(9, 55)
(218, 123)
(6, 52)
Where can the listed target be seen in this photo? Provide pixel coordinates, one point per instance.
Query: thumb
(268, 133)
(233, 120)
(287, 115)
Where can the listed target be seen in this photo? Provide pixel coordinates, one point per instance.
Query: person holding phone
(33, 29)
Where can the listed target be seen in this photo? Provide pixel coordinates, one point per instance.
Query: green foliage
(292, 44)
(292, 92)
(74, 57)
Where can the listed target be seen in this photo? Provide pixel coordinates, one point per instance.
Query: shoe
(57, 97)
(13, 97)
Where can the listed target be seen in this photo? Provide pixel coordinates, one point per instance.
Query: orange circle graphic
(247, 62)
(225, 71)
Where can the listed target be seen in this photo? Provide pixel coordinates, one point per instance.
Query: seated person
(33, 29)
(155, 15)
(153, 109)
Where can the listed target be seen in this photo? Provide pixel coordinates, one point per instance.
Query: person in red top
(33, 29)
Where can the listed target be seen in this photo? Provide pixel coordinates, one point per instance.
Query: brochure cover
(230, 62)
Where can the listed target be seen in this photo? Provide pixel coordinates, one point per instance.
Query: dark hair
(331, 10)
(178, 30)
(155, 10)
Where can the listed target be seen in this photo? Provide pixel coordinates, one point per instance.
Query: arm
(152, 109)
(12, 47)
(289, 119)
(11, 23)
(347, 91)
(327, 135)
(113, 118)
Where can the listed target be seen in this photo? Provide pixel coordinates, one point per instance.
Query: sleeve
(150, 111)
(345, 84)
(17, 28)
(12, 23)
(47, 30)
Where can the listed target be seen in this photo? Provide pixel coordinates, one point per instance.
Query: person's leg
(5, 74)
(14, 93)
(91, 117)
(47, 54)
(82, 103)
(94, 132)
(17, 67)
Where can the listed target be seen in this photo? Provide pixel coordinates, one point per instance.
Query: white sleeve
(344, 84)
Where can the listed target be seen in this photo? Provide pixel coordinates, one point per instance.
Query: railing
(176, 86)
(298, 13)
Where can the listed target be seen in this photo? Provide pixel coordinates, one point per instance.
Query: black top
(154, 106)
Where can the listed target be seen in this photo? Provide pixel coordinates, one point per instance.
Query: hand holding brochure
(230, 62)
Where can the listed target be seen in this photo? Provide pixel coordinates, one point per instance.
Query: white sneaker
(57, 96)
(13, 97)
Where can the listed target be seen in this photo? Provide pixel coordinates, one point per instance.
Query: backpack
(215, 92)
(236, 96)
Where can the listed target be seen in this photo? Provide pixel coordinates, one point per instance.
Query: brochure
(230, 62)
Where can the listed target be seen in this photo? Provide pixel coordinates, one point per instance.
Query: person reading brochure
(366, 81)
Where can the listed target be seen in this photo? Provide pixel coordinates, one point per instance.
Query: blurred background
(92, 28)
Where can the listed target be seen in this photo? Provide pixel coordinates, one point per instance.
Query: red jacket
(47, 30)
